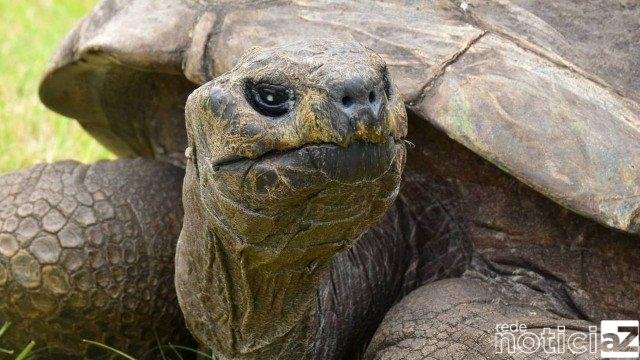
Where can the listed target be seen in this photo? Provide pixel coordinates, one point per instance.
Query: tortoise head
(292, 155)
(304, 138)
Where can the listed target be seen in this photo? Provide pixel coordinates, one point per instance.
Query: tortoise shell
(546, 91)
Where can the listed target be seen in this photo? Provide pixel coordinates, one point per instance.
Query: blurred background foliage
(29, 133)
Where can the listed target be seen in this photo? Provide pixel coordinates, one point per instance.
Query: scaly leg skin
(457, 318)
(86, 252)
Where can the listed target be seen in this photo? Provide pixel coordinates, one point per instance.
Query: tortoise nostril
(372, 97)
(347, 101)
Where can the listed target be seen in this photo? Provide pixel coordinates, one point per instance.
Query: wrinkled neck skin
(250, 260)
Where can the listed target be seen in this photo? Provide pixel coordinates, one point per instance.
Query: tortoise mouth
(301, 166)
(322, 183)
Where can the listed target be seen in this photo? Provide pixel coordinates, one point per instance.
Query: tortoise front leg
(86, 252)
(458, 319)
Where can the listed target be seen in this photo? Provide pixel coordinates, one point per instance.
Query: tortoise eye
(269, 99)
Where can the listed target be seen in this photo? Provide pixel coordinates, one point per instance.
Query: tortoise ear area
(190, 153)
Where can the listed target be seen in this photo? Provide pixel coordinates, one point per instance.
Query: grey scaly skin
(86, 252)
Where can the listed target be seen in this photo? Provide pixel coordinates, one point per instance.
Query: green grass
(25, 353)
(177, 350)
(29, 133)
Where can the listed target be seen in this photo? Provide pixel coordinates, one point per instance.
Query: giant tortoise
(513, 124)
